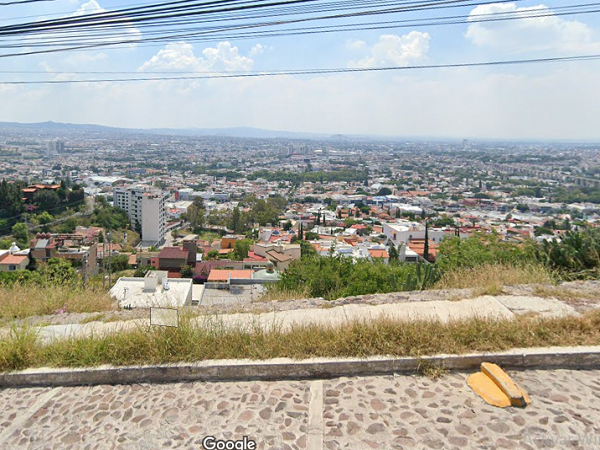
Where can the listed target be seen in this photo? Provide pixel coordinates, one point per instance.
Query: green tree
(213, 254)
(241, 249)
(19, 232)
(119, 263)
(187, 272)
(393, 252)
(196, 213)
(311, 236)
(307, 250)
(46, 199)
(141, 271)
(236, 220)
(59, 271)
(68, 226)
(45, 218)
(384, 191)
(11, 203)
(76, 196)
(109, 217)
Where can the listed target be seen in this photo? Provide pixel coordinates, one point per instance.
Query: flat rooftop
(240, 294)
(130, 291)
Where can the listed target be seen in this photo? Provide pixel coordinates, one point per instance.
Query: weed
(431, 370)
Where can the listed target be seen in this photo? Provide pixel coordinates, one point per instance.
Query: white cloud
(258, 49)
(180, 56)
(91, 7)
(355, 44)
(396, 50)
(534, 34)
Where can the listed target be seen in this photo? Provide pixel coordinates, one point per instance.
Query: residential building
(12, 262)
(172, 259)
(146, 209)
(281, 255)
(76, 247)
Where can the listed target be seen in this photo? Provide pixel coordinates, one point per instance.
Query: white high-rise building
(54, 147)
(146, 209)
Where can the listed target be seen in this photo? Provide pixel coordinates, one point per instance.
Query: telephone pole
(109, 259)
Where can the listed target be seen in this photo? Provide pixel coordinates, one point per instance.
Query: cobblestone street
(382, 412)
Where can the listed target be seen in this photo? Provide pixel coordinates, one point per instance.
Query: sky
(533, 101)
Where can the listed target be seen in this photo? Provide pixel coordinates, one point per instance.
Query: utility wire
(421, 6)
(118, 19)
(317, 71)
(24, 1)
(437, 21)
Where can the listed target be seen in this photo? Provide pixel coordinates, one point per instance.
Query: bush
(482, 249)
(337, 276)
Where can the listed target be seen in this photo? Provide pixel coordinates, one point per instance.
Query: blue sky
(541, 101)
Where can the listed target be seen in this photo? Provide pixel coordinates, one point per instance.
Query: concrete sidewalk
(443, 311)
(500, 307)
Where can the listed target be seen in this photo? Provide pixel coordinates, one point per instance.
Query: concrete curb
(283, 368)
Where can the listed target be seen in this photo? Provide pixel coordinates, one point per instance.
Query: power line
(24, 1)
(317, 71)
(438, 21)
(410, 6)
(213, 33)
(174, 15)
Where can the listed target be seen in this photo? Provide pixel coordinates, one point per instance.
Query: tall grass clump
(19, 301)
(489, 278)
(19, 350)
(212, 339)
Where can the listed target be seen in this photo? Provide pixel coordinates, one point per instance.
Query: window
(12, 268)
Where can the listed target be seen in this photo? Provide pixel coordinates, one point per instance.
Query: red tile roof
(173, 253)
(223, 275)
(14, 259)
(378, 253)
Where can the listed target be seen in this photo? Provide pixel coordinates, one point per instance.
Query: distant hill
(238, 132)
(248, 132)
(58, 126)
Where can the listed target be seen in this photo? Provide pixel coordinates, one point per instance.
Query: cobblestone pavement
(380, 412)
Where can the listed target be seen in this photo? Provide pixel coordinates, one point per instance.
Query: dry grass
(274, 294)
(490, 278)
(94, 318)
(18, 302)
(212, 340)
(562, 293)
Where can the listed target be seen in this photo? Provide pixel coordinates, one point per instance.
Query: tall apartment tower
(54, 147)
(146, 210)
